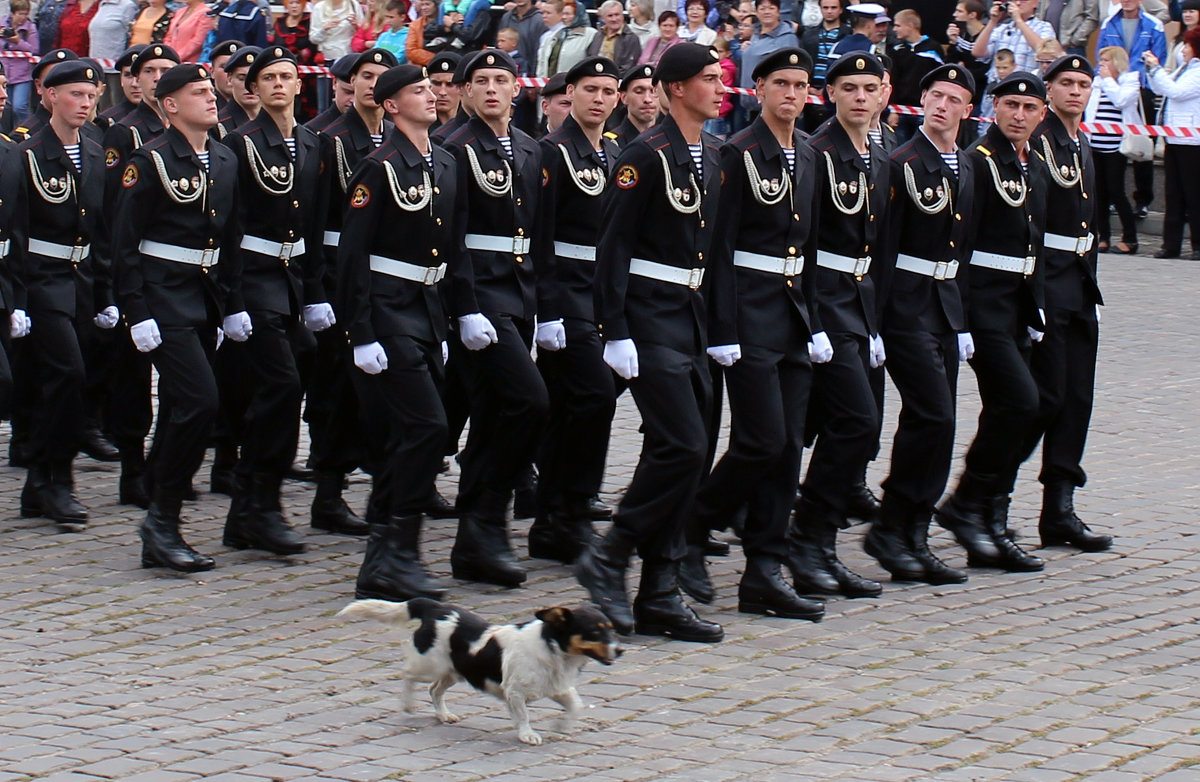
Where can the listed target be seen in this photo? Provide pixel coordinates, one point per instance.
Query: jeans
(19, 95)
(719, 127)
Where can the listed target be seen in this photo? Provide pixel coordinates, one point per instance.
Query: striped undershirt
(76, 156)
(697, 152)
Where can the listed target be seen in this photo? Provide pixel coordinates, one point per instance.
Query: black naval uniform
(387, 295)
(7, 298)
(115, 113)
(233, 116)
(763, 298)
(508, 398)
(623, 133)
(41, 117)
(1064, 363)
(843, 410)
(656, 232)
(173, 253)
(580, 385)
(282, 218)
(56, 216)
(451, 126)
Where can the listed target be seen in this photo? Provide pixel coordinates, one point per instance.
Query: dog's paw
(529, 737)
(449, 718)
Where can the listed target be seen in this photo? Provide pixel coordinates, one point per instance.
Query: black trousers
(1182, 165)
(6, 375)
(188, 399)
(1009, 397)
(128, 410)
(509, 405)
(331, 409)
(583, 399)
(844, 418)
(56, 419)
(454, 397)
(408, 423)
(672, 391)
(271, 424)
(1064, 366)
(1110, 189)
(768, 401)
(924, 367)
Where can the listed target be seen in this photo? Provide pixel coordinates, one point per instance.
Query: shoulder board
(984, 150)
(24, 131)
(611, 136)
(6, 138)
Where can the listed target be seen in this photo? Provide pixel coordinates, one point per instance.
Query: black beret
(269, 56)
(1068, 64)
(854, 64)
(73, 72)
(683, 61)
(243, 58)
(375, 57)
(1019, 83)
(635, 73)
(593, 66)
(128, 56)
(444, 62)
(555, 85)
(224, 49)
(460, 68)
(395, 79)
(343, 66)
(790, 58)
(490, 58)
(155, 51)
(179, 77)
(53, 57)
(953, 73)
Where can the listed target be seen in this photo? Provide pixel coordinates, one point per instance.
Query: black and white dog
(516, 663)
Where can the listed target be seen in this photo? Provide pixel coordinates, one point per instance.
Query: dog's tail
(383, 610)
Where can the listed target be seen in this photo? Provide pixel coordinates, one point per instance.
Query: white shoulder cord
(675, 196)
(838, 189)
(281, 178)
(178, 191)
(494, 183)
(417, 197)
(53, 190)
(764, 192)
(590, 180)
(939, 206)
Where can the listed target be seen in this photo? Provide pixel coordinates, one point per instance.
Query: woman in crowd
(291, 30)
(696, 30)
(151, 24)
(24, 38)
(668, 26)
(414, 48)
(1181, 88)
(188, 28)
(73, 26)
(1115, 99)
(1190, 10)
(371, 28)
(569, 45)
(641, 20)
(332, 29)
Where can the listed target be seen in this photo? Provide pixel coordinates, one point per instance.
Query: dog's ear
(558, 616)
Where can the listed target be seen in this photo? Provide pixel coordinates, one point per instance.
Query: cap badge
(202, 73)
(793, 59)
(1075, 63)
(89, 74)
(860, 63)
(278, 52)
(249, 58)
(378, 57)
(490, 60)
(1022, 86)
(953, 74)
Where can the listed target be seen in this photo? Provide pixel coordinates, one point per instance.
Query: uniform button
(700, 256)
(872, 219)
(210, 242)
(1085, 195)
(437, 191)
(291, 234)
(951, 242)
(439, 221)
(796, 217)
(295, 204)
(212, 212)
(520, 232)
(1084, 223)
(520, 259)
(434, 251)
(957, 216)
(78, 240)
(82, 212)
(866, 249)
(791, 251)
(789, 284)
(701, 223)
(872, 187)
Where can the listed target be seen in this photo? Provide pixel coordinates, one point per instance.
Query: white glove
(1034, 334)
(476, 331)
(878, 354)
(621, 356)
(966, 346)
(1097, 313)
(725, 355)
(820, 349)
(220, 337)
(107, 318)
(19, 324)
(445, 352)
(237, 326)
(145, 335)
(551, 335)
(318, 317)
(370, 358)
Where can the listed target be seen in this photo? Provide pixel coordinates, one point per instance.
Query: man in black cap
(1007, 303)
(332, 412)
(131, 91)
(390, 308)
(655, 235)
(640, 99)
(577, 162)
(1064, 363)
(281, 213)
(219, 55)
(177, 272)
(465, 109)
(852, 177)
(41, 113)
(924, 322)
(13, 325)
(55, 190)
(343, 93)
(441, 77)
(555, 104)
(493, 299)
(244, 105)
(762, 315)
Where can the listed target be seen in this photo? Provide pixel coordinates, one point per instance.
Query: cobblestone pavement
(1086, 671)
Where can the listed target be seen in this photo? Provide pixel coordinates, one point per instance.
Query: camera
(8, 32)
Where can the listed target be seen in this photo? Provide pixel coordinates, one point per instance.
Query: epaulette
(608, 134)
(984, 150)
(6, 138)
(24, 131)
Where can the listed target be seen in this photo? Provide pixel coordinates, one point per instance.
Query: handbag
(1137, 148)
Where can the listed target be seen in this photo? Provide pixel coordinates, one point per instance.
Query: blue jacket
(242, 20)
(1150, 37)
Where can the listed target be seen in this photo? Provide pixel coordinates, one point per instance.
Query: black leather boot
(36, 481)
(263, 526)
(132, 488)
(862, 504)
(660, 610)
(1012, 558)
(330, 512)
(965, 514)
(481, 550)
(440, 508)
(715, 547)
(525, 502)
(561, 533)
(887, 542)
(96, 445)
(763, 590)
(1060, 526)
(601, 568)
(221, 479)
(850, 584)
(805, 559)
(598, 511)
(391, 568)
(936, 572)
(239, 509)
(693, 576)
(57, 498)
(162, 545)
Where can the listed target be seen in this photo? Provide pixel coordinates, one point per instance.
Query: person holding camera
(19, 35)
(1012, 26)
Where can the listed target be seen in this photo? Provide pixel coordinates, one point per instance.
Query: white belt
(844, 263)
(284, 251)
(171, 252)
(426, 275)
(1004, 263)
(4, 248)
(661, 271)
(1071, 244)
(938, 270)
(788, 267)
(516, 245)
(333, 238)
(580, 252)
(67, 252)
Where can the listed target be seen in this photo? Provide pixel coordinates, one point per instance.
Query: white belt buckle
(1030, 262)
(940, 269)
(77, 253)
(695, 277)
(431, 274)
(792, 266)
(520, 245)
(208, 258)
(861, 266)
(285, 251)
(1082, 245)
